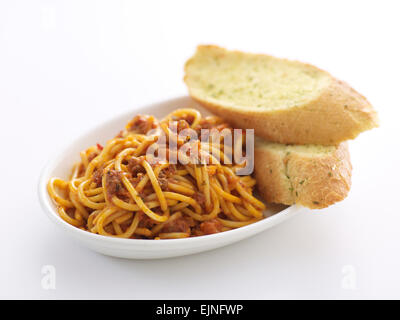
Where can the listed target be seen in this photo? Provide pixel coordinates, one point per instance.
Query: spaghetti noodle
(120, 190)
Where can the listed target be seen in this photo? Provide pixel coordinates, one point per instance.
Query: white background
(67, 66)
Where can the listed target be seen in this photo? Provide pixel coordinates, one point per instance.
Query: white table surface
(67, 66)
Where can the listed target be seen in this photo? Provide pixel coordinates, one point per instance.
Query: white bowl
(133, 248)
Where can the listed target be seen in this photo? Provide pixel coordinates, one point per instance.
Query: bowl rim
(48, 206)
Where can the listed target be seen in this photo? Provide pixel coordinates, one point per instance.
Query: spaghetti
(122, 190)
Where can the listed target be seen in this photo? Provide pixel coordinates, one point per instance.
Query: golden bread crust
(314, 181)
(338, 113)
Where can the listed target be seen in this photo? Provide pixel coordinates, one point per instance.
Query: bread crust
(305, 179)
(337, 114)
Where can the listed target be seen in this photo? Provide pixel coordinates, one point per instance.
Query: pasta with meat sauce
(123, 190)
